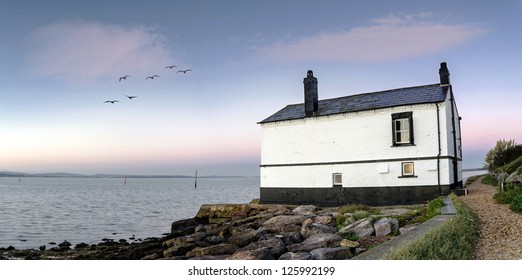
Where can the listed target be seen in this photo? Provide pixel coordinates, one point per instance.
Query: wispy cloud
(85, 51)
(384, 39)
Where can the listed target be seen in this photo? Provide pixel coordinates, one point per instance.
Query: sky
(61, 60)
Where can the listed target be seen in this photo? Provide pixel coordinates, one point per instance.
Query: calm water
(37, 211)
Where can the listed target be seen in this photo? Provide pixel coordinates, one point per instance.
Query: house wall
(299, 157)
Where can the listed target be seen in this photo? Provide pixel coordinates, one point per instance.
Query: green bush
(350, 236)
(503, 153)
(506, 195)
(516, 203)
(489, 180)
(361, 214)
(433, 208)
(455, 240)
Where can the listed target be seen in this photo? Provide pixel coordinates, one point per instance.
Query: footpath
(380, 251)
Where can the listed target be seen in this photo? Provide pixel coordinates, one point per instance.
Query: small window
(402, 126)
(337, 179)
(407, 169)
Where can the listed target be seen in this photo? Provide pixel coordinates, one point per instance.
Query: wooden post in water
(196, 180)
(125, 181)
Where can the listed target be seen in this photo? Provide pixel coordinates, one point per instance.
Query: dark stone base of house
(335, 196)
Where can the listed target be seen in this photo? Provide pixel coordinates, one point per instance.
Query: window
(407, 169)
(337, 179)
(402, 126)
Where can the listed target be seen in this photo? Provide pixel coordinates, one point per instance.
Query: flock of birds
(152, 77)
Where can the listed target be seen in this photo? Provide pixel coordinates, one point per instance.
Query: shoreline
(248, 231)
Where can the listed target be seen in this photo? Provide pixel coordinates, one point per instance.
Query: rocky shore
(251, 232)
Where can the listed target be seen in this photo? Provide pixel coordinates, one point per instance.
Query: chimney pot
(311, 94)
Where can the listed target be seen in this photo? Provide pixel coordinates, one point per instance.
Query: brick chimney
(310, 93)
(444, 74)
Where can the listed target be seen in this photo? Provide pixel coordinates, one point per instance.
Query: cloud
(385, 39)
(86, 51)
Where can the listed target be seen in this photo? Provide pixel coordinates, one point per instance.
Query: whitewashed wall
(353, 137)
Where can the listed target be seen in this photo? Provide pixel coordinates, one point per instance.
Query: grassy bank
(452, 241)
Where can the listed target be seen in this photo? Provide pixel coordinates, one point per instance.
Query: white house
(399, 146)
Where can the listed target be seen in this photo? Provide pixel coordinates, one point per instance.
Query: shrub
(361, 214)
(433, 208)
(489, 180)
(516, 203)
(350, 236)
(454, 240)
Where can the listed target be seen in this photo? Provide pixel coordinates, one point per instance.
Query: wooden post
(196, 180)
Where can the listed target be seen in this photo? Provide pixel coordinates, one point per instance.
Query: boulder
(395, 211)
(305, 210)
(183, 227)
(310, 228)
(501, 177)
(385, 226)
(328, 220)
(178, 248)
(514, 178)
(290, 238)
(361, 228)
(220, 249)
(226, 211)
(284, 223)
(321, 240)
(275, 246)
(349, 243)
(295, 256)
(254, 254)
(338, 253)
(244, 237)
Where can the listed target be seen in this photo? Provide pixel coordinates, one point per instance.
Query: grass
(454, 240)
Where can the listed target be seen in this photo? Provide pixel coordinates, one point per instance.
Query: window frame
(398, 117)
(407, 175)
(334, 183)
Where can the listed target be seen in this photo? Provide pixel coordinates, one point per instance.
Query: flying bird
(152, 77)
(111, 101)
(184, 71)
(124, 77)
(171, 66)
(131, 96)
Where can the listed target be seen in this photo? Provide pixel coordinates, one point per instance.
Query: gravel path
(501, 229)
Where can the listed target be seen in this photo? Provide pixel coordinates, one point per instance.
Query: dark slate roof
(366, 101)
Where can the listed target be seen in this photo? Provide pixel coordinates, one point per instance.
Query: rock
(215, 239)
(179, 246)
(275, 246)
(349, 243)
(385, 226)
(254, 254)
(328, 220)
(284, 223)
(361, 228)
(220, 249)
(310, 228)
(244, 237)
(227, 211)
(183, 227)
(514, 178)
(65, 245)
(321, 240)
(277, 210)
(290, 238)
(337, 253)
(305, 210)
(295, 256)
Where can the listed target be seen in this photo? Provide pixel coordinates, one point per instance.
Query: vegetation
(453, 241)
(471, 179)
(504, 152)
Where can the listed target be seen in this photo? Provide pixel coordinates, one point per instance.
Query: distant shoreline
(72, 175)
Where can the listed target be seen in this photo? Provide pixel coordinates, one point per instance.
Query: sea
(36, 211)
